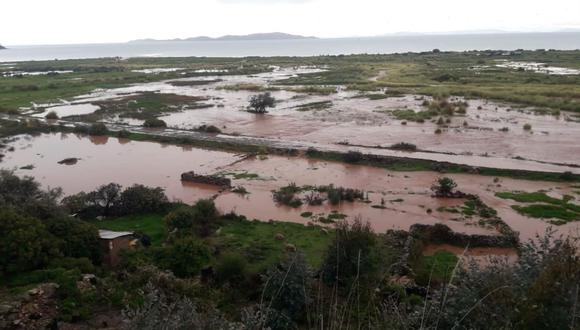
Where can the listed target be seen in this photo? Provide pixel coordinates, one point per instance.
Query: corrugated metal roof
(109, 234)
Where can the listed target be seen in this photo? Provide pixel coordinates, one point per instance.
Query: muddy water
(406, 194)
(482, 256)
(104, 160)
(365, 122)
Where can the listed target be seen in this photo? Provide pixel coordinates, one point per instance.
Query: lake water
(301, 47)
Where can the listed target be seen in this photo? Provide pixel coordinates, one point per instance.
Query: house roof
(109, 234)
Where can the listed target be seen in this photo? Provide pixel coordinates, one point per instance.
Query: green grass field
(253, 239)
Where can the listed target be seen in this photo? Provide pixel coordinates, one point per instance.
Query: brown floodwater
(406, 194)
(364, 122)
(481, 255)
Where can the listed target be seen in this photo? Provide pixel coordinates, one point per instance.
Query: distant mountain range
(254, 36)
(2, 47)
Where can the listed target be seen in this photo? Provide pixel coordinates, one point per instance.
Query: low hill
(254, 36)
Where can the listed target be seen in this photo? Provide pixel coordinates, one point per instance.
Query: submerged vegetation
(540, 205)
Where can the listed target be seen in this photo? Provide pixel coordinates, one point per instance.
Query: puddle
(536, 67)
(69, 110)
(158, 70)
(406, 194)
(33, 73)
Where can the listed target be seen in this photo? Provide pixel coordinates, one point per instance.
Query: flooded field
(405, 195)
(489, 133)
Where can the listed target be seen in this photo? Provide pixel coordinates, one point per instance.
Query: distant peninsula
(253, 36)
(2, 47)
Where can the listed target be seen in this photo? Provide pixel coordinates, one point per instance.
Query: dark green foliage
(123, 134)
(24, 194)
(353, 157)
(185, 257)
(141, 199)
(26, 243)
(286, 195)
(285, 290)
(98, 129)
(111, 200)
(180, 221)
(405, 146)
(259, 103)
(105, 198)
(354, 255)
(444, 187)
(75, 238)
(154, 123)
(539, 291)
(51, 115)
(231, 268)
(209, 129)
(200, 220)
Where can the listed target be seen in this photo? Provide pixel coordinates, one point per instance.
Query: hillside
(254, 36)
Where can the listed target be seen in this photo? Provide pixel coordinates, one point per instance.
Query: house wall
(112, 249)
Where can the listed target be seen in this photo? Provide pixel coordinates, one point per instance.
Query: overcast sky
(90, 21)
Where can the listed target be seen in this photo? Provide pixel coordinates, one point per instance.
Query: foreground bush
(353, 255)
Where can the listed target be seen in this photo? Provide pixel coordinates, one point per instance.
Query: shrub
(259, 103)
(438, 131)
(285, 287)
(26, 244)
(123, 134)
(353, 255)
(353, 157)
(154, 123)
(527, 127)
(180, 221)
(98, 129)
(404, 146)
(141, 199)
(51, 115)
(232, 269)
(185, 257)
(209, 129)
(201, 219)
(444, 186)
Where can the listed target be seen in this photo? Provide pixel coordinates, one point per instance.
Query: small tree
(353, 255)
(106, 197)
(444, 186)
(259, 103)
(185, 257)
(141, 199)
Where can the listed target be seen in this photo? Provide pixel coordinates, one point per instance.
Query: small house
(112, 243)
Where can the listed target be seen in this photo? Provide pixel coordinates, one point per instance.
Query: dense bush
(444, 187)
(51, 115)
(75, 238)
(231, 269)
(353, 157)
(98, 129)
(185, 257)
(112, 200)
(354, 255)
(26, 243)
(200, 219)
(259, 103)
(285, 290)
(141, 199)
(404, 146)
(154, 123)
